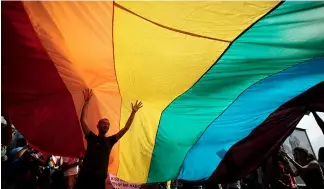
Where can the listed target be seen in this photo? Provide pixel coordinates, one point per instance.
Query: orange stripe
(78, 38)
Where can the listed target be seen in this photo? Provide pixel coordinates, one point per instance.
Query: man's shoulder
(90, 135)
(314, 164)
(112, 139)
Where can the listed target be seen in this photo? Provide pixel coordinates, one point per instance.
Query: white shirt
(73, 170)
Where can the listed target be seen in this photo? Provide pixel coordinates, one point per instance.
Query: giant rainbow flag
(222, 83)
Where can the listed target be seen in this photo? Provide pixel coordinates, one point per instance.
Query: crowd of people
(24, 167)
(27, 168)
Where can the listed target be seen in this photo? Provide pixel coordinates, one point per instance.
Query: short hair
(102, 120)
(309, 156)
(301, 149)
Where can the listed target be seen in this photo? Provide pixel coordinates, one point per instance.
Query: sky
(313, 131)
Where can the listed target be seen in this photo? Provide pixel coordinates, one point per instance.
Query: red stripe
(41, 106)
(244, 157)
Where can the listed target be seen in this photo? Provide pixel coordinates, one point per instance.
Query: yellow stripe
(78, 38)
(221, 20)
(156, 65)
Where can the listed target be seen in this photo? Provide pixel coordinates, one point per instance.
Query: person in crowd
(189, 184)
(27, 166)
(6, 140)
(93, 172)
(71, 169)
(17, 139)
(53, 172)
(321, 157)
(307, 168)
(4, 167)
(234, 185)
(252, 181)
(278, 172)
(6, 131)
(211, 184)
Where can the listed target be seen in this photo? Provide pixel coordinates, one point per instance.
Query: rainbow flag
(51, 163)
(222, 83)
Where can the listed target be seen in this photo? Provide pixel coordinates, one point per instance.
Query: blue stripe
(246, 113)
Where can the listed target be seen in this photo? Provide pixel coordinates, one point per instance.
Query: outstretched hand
(87, 94)
(137, 106)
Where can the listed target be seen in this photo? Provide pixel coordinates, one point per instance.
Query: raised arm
(293, 172)
(87, 96)
(129, 122)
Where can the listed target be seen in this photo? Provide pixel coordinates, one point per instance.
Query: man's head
(103, 126)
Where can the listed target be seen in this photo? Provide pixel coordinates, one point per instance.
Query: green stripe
(287, 36)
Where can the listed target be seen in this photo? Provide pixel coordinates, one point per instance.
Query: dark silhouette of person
(93, 172)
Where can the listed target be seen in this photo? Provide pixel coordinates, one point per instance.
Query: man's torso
(97, 155)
